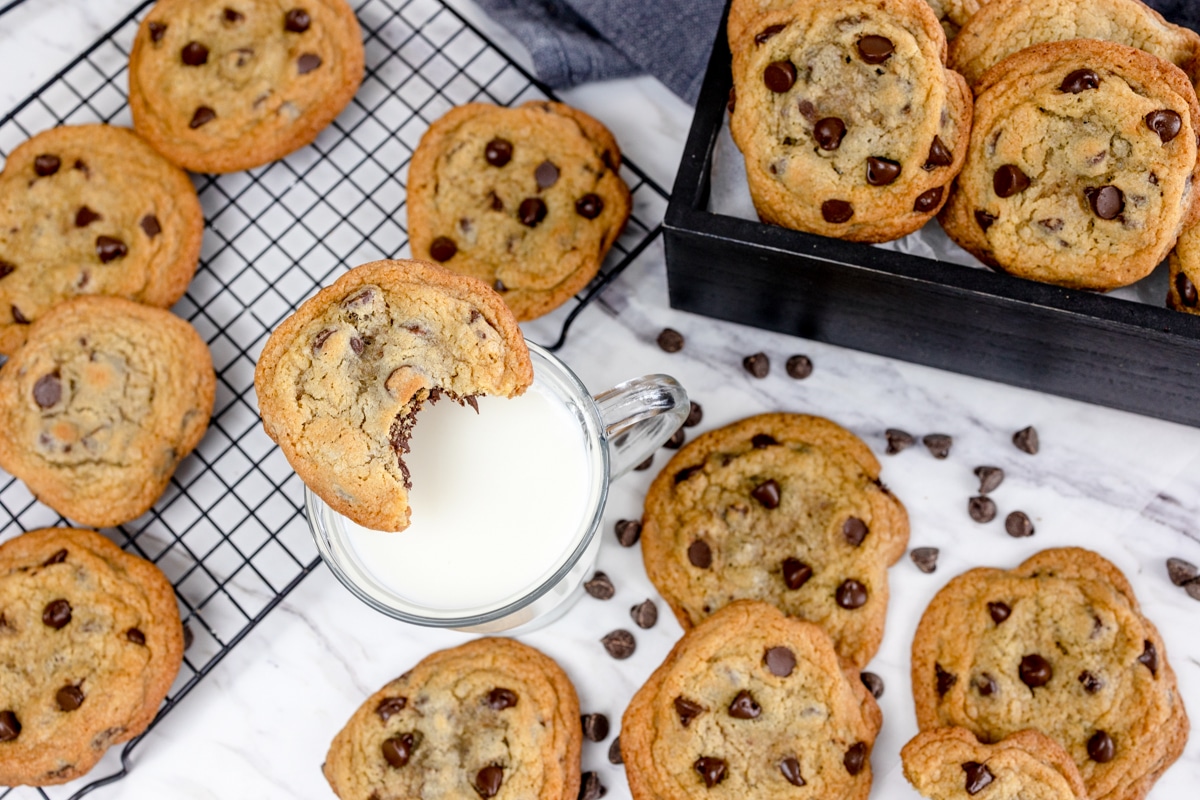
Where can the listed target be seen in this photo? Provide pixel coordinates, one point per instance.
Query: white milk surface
(497, 498)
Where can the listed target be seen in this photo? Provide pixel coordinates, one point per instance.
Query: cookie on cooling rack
(850, 124)
(785, 508)
(750, 703)
(951, 764)
(225, 85)
(1081, 166)
(340, 381)
(100, 404)
(1057, 645)
(527, 199)
(91, 210)
(91, 641)
(489, 718)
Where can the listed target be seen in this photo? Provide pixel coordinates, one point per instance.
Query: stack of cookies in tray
(1070, 159)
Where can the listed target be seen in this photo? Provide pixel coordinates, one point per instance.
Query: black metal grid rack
(230, 531)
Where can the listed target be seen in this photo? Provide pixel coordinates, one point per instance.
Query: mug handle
(639, 415)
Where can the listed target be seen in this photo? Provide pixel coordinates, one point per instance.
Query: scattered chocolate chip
(307, 62)
(1181, 571)
(620, 644)
(194, 54)
(799, 367)
(595, 727)
(628, 532)
(390, 706)
(1035, 671)
(836, 211)
(898, 440)
(855, 758)
(1026, 440)
(761, 441)
(202, 116)
(136, 636)
(695, 414)
(712, 770)
(1079, 81)
(46, 165)
(986, 685)
(590, 787)
(780, 661)
(589, 206)
(779, 76)
(854, 530)
(790, 767)
(645, 614)
(150, 225)
(978, 777)
(925, 558)
(157, 29)
(984, 219)
(8, 268)
(56, 614)
(982, 509)
(488, 781)
(18, 317)
(829, 133)
(296, 20)
(938, 444)
(1165, 123)
(939, 155)
(766, 33)
(670, 340)
(882, 171)
(1009, 180)
(443, 249)
(47, 391)
(757, 365)
(85, 216)
(1091, 683)
(1101, 748)
(546, 174)
(928, 201)
(531, 211)
(69, 698)
(700, 554)
(600, 587)
(109, 249)
(873, 682)
(1018, 525)
(945, 680)
(676, 440)
(796, 573)
(1183, 287)
(851, 595)
(999, 612)
(744, 706)
(989, 478)
(875, 49)
(614, 752)
(1106, 201)
(1149, 658)
(687, 710)
(10, 726)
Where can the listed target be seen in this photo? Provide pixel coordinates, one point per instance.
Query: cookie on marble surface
(951, 764)
(490, 718)
(1081, 166)
(786, 508)
(1002, 27)
(225, 85)
(1057, 645)
(100, 405)
(527, 199)
(91, 210)
(751, 703)
(340, 381)
(849, 121)
(1185, 272)
(91, 641)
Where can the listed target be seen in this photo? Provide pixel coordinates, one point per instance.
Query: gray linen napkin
(575, 41)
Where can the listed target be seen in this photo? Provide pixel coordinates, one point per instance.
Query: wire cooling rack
(230, 532)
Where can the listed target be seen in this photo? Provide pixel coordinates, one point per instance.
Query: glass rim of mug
(330, 536)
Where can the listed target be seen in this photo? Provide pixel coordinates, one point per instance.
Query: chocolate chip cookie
(850, 124)
(100, 405)
(490, 718)
(1057, 645)
(953, 14)
(90, 641)
(951, 764)
(91, 210)
(1185, 272)
(1002, 27)
(224, 85)
(786, 508)
(750, 703)
(527, 199)
(1081, 165)
(340, 381)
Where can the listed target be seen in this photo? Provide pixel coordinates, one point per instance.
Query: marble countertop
(1125, 486)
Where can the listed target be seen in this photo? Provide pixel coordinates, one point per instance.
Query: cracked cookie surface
(750, 703)
(1057, 645)
(92, 210)
(90, 641)
(785, 508)
(100, 405)
(849, 121)
(225, 85)
(490, 718)
(339, 382)
(528, 199)
(1081, 166)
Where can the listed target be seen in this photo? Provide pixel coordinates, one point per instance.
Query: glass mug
(506, 503)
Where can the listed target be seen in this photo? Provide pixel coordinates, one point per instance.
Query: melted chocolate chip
(488, 781)
(644, 614)
(202, 116)
(925, 558)
(109, 249)
(46, 165)
(56, 614)
(1165, 123)
(744, 706)
(1035, 671)
(855, 758)
(1091, 684)
(986, 685)
(999, 612)
(620, 644)
(69, 698)
(945, 680)
(731, 103)
(398, 750)
(854, 530)
(767, 493)
(47, 391)
(836, 211)
(1080, 81)
(194, 54)
(136, 636)
(978, 776)
(1149, 658)
(926, 202)
(712, 770)
(1009, 180)
(882, 171)
(796, 573)
(939, 155)
(595, 727)
(58, 557)
(157, 30)
(898, 440)
(443, 249)
(851, 595)
(498, 152)
(18, 317)
(780, 661)
(600, 586)
(761, 441)
(1183, 287)
(829, 132)
(232, 16)
(766, 33)
(790, 767)
(779, 76)
(757, 365)
(358, 345)
(687, 710)
(307, 62)
(546, 174)
(628, 532)
(390, 706)
(875, 49)
(1107, 202)
(700, 554)
(85, 216)
(10, 726)
(499, 699)
(531, 211)
(1101, 748)
(1018, 525)
(984, 220)
(589, 206)
(686, 473)
(296, 20)
(8, 268)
